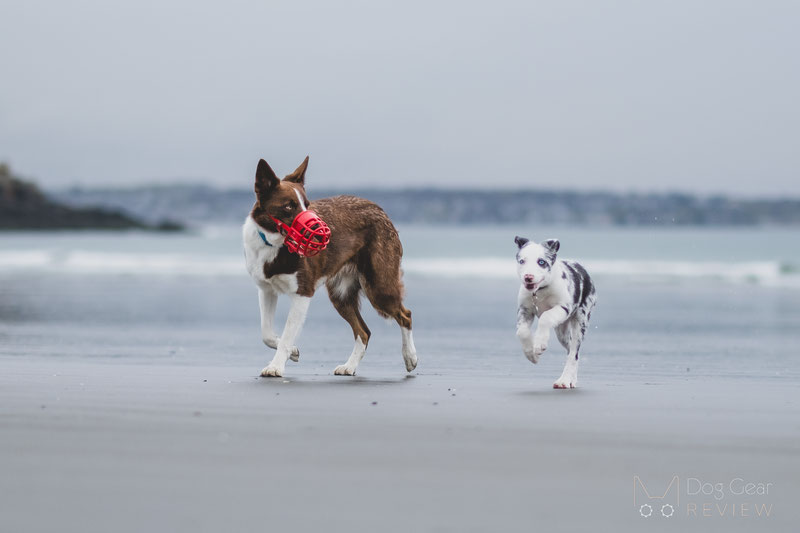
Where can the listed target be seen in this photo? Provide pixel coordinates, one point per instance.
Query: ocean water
(672, 303)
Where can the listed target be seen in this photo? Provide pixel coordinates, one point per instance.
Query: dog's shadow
(328, 380)
(552, 392)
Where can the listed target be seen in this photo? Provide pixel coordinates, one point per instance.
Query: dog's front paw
(539, 346)
(272, 371)
(531, 354)
(272, 341)
(566, 382)
(344, 370)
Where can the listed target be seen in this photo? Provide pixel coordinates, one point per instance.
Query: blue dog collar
(264, 238)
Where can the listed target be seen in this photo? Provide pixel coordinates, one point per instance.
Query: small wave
(100, 263)
(768, 273)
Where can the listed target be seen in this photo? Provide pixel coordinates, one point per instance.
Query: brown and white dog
(364, 254)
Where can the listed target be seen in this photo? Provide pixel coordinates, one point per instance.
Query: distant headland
(23, 206)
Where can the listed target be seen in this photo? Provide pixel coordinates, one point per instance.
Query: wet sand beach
(116, 447)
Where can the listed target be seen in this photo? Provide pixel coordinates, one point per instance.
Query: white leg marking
(409, 350)
(349, 368)
(267, 301)
(526, 339)
(549, 319)
(294, 323)
(571, 335)
(569, 377)
(524, 335)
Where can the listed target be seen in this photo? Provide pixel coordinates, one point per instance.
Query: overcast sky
(692, 95)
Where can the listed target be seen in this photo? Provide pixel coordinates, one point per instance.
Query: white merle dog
(561, 294)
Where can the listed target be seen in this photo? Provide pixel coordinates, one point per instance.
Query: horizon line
(439, 188)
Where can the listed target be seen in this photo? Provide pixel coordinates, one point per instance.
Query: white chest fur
(257, 253)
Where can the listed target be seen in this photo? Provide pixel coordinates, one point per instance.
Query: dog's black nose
(529, 278)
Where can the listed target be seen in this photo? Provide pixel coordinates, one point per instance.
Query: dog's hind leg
(383, 284)
(409, 350)
(402, 316)
(570, 335)
(389, 304)
(345, 299)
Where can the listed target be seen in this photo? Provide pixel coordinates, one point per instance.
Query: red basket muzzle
(307, 236)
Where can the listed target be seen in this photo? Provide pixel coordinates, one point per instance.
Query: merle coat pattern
(561, 295)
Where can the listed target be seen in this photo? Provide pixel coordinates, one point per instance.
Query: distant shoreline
(204, 204)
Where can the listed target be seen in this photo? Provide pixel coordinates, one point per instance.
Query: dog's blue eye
(542, 262)
(521, 261)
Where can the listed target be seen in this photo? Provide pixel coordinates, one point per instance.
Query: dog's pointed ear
(299, 175)
(552, 245)
(521, 241)
(266, 180)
